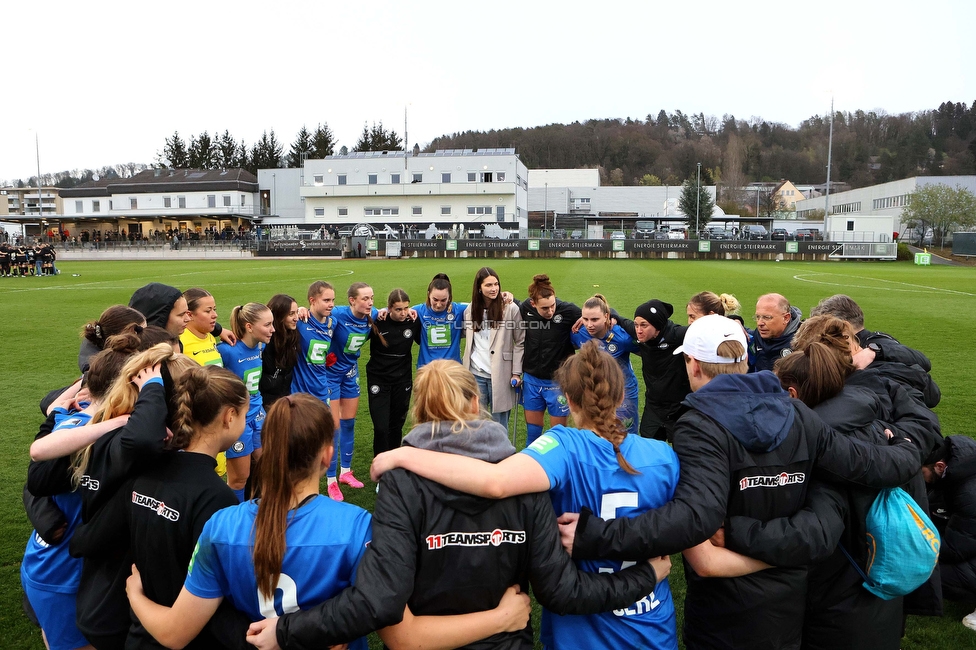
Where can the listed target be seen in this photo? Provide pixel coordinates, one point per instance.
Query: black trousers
(388, 405)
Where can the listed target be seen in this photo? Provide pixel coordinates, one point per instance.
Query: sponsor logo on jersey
(544, 444)
(558, 318)
(496, 537)
(786, 352)
(612, 347)
(777, 480)
(252, 380)
(317, 351)
(450, 317)
(355, 342)
(161, 508)
(252, 358)
(89, 482)
(407, 334)
(438, 336)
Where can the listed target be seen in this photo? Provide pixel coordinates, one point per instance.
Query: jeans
(484, 388)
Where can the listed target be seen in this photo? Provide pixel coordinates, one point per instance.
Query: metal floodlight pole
(698, 203)
(830, 145)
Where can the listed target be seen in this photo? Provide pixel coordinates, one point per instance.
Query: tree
(617, 177)
(323, 141)
(300, 148)
(174, 153)
(202, 153)
(226, 151)
(266, 153)
(648, 180)
(378, 138)
(696, 204)
(941, 208)
(769, 205)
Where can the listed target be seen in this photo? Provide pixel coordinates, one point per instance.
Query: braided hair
(198, 397)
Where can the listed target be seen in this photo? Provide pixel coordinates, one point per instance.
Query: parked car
(644, 230)
(576, 234)
(807, 234)
(780, 234)
(715, 232)
(754, 232)
(676, 234)
(618, 234)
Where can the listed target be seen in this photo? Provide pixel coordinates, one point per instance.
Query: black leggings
(388, 405)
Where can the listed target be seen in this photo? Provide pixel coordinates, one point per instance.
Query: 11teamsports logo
(496, 537)
(777, 480)
(161, 508)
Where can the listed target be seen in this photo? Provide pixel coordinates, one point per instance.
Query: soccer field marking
(916, 288)
(102, 284)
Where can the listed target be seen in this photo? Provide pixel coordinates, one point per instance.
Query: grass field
(929, 308)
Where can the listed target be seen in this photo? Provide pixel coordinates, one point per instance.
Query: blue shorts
(346, 385)
(543, 395)
(56, 614)
(250, 439)
(629, 414)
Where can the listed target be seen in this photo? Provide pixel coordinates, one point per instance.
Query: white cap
(708, 332)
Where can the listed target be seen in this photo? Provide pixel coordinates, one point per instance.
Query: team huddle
(24, 260)
(175, 488)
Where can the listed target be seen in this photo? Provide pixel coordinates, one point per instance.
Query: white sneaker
(969, 620)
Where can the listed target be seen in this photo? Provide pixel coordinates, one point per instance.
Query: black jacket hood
(753, 408)
(155, 301)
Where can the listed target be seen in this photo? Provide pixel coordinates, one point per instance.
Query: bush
(904, 253)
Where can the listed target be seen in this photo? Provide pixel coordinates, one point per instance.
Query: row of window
(417, 211)
(843, 208)
(167, 203)
(417, 177)
(899, 201)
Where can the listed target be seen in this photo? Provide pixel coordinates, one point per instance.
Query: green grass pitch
(929, 308)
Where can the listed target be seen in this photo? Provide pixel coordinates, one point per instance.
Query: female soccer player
(95, 333)
(281, 353)
(253, 327)
(619, 344)
(353, 325)
(266, 556)
(162, 305)
(706, 302)
(494, 349)
(440, 318)
(389, 371)
(548, 324)
(314, 340)
(432, 545)
(198, 341)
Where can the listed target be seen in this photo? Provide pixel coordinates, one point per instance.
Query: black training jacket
(392, 363)
(275, 381)
(547, 342)
(665, 378)
(888, 348)
(446, 552)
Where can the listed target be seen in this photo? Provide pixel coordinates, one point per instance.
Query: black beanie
(655, 312)
(155, 301)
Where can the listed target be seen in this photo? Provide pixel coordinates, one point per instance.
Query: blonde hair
(726, 350)
(241, 315)
(199, 396)
(121, 398)
(442, 392)
(708, 302)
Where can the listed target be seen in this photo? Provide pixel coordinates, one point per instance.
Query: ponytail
(242, 315)
(199, 396)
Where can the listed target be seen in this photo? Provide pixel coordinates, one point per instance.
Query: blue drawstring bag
(903, 545)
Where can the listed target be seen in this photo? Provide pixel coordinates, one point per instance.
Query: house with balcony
(28, 202)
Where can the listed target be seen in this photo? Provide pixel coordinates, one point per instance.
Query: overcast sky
(104, 82)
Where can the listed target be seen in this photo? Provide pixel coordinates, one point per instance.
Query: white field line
(915, 288)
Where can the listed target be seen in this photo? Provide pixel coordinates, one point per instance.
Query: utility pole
(698, 203)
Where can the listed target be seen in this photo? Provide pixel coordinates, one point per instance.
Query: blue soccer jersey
(246, 363)
(619, 345)
(351, 334)
(310, 375)
(441, 333)
(583, 472)
(324, 543)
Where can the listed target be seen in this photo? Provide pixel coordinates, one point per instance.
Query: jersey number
(609, 505)
(283, 601)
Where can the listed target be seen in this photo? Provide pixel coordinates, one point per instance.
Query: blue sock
(239, 494)
(332, 473)
(347, 440)
(532, 431)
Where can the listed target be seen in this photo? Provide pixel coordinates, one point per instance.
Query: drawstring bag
(903, 545)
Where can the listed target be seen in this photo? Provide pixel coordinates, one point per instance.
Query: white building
(887, 199)
(453, 186)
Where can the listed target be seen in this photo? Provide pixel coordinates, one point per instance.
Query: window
(394, 179)
(486, 177)
(319, 212)
(500, 176)
(243, 199)
(445, 209)
(445, 177)
(79, 206)
(486, 209)
(378, 212)
(342, 179)
(418, 210)
(318, 179)
(133, 203)
(418, 178)
(109, 205)
(211, 200)
(500, 213)
(850, 226)
(227, 200)
(181, 201)
(372, 179)
(343, 212)
(167, 202)
(472, 177)
(96, 206)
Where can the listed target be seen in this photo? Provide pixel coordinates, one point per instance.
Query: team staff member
(440, 318)
(281, 353)
(314, 340)
(741, 435)
(776, 323)
(389, 371)
(197, 339)
(548, 324)
(665, 380)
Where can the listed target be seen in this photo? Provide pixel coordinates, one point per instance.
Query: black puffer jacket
(888, 348)
(957, 492)
(665, 378)
(745, 449)
(446, 552)
(547, 341)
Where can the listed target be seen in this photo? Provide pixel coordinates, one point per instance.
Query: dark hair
(594, 382)
(199, 396)
(194, 296)
(154, 335)
(295, 431)
(440, 281)
(836, 334)
(843, 307)
(397, 295)
(541, 287)
(285, 340)
(112, 321)
(105, 367)
(817, 373)
(318, 287)
(480, 304)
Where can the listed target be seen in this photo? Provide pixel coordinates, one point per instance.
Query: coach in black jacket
(746, 449)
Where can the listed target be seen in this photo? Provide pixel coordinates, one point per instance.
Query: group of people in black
(27, 260)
